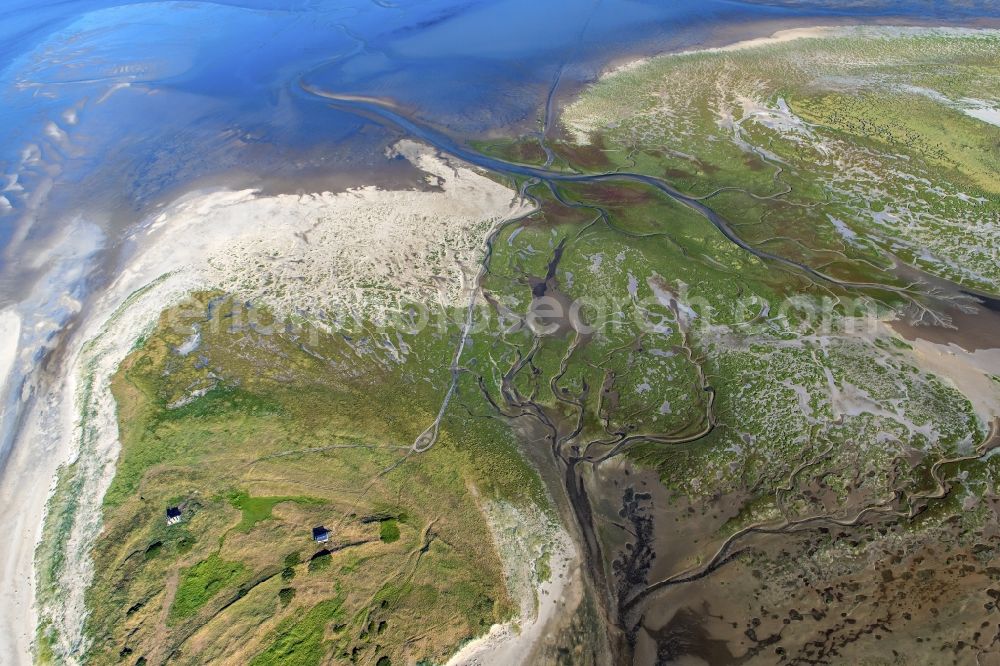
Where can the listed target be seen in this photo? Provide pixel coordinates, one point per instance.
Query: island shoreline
(28, 472)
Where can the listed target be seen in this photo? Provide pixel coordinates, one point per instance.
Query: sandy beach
(513, 643)
(10, 334)
(777, 37)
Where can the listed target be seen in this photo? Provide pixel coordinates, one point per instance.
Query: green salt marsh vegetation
(682, 330)
(858, 144)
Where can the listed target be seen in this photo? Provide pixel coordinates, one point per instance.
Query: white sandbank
(323, 245)
(985, 113)
(815, 32)
(10, 333)
(778, 37)
(514, 643)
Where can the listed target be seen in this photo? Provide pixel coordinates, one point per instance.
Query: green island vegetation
(761, 397)
(257, 437)
(389, 531)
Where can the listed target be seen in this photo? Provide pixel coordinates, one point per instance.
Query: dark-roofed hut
(173, 515)
(321, 534)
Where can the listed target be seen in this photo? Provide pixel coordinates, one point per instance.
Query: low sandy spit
(10, 331)
(515, 643)
(813, 32)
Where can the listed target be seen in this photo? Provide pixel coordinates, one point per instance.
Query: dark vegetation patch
(203, 581)
(300, 641)
(389, 531)
(590, 157)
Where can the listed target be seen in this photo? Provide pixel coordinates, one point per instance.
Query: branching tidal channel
(562, 424)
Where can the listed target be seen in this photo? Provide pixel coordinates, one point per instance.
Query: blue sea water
(164, 93)
(108, 107)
